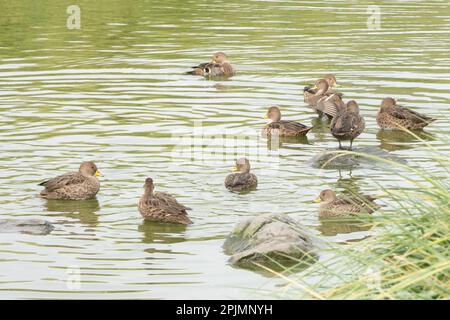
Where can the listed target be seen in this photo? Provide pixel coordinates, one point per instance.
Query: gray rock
(273, 240)
(336, 159)
(28, 226)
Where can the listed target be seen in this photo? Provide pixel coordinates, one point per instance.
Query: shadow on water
(155, 232)
(333, 226)
(393, 140)
(275, 142)
(84, 211)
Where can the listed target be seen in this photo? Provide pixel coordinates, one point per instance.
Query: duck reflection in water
(85, 211)
(156, 232)
(393, 140)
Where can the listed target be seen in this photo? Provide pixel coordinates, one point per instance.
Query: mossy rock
(272, 240)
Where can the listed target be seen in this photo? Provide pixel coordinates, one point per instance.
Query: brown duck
(347, 124)
(334, 206)
(219, 66)
(242, 179)
(282, 128)
(322, 99)
(161, 207)
(79, 185)
(395, 117)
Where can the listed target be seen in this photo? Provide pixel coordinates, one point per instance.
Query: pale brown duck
(219, 66)
(334, 206)
(161, 207)
(322, 99)
(282, 128)
(394, 117)
(242, 179)
(347, 124)
(79, 185)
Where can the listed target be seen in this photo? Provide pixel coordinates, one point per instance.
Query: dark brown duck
(242, 179)
(282, 128)
(347, 124)
(161, 207)
(394, 117)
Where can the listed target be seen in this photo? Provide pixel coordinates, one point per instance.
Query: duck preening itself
(219, 66)
(282, 128)
(341, 206)
(161, 207)
(347, 124)
(322, 99)
(242, 179)
(79, 185)
(394, 117)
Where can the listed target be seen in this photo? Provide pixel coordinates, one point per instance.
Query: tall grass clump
(408, 255)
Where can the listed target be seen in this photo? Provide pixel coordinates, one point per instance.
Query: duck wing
(400, 112)
(168, 204)
(289, 126)
(235, 180)
(63, 180)
(346, 123)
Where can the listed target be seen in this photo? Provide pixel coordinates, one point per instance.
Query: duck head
(331, 80)
(273, 114)
(242, 165)
(220, 57)
(89, 169)
(388, 103)
(321, 86)
(352, 106)
(326, 195)
(149, 186)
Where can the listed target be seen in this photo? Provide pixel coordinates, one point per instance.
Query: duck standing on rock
(79, 185)
(394, 117)
(322, 99)
(242, 179)
(161, 207)
(282, 128)
(347, 124)
(334, 206)
(218, 67)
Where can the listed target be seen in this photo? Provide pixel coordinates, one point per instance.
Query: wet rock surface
(273, 240)
(27, 226)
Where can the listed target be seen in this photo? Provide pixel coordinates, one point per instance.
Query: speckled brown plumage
(283, 128)
(394, 117)
(334, 206)
(323, 99)
(243, 179)
(79, 185)
(161, 206)
(347, 124)
(218, 67)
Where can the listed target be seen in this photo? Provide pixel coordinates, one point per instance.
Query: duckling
(394, 117)
(282, 128)
(218, 67)
(242, 179)
(79, 185)
(333, 206)
(322, 99)
(162, 207)
(347, 124)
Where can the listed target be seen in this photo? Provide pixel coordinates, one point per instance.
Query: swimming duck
(347, 124)
(161, 207)
(334, 206)
(322, 99)
(395, 117)
(283, 128)
(218, 67)
(79, 185)
(242, 179)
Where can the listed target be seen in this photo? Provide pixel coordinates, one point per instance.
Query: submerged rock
(340, 159)
(28, 226)
(273, 240)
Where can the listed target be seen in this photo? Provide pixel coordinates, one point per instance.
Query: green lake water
(114, 91)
